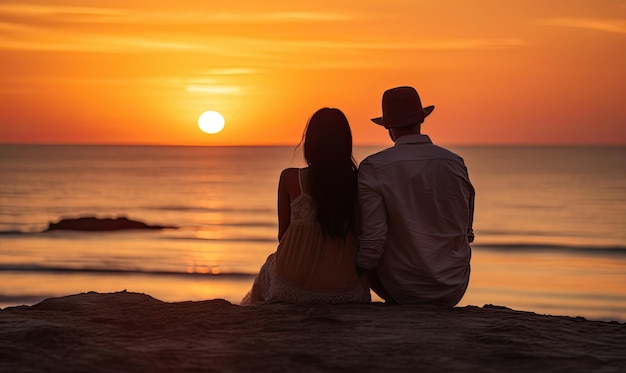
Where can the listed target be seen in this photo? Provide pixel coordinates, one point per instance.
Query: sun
(211, 122)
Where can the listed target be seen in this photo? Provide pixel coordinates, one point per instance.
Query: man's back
(417, 206)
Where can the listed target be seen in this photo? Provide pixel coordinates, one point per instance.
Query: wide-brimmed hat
(402, 107)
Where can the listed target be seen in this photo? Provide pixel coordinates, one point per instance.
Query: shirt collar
(413, 139)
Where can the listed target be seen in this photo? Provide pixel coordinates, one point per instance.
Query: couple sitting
(400, 225)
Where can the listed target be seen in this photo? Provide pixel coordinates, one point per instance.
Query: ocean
(550, 223)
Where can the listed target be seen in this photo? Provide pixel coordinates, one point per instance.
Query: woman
(317, 223)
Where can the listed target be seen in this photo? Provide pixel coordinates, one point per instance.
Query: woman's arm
(284, 201)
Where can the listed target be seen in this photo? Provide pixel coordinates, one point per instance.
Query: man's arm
(470, 230)
(373, 218)
(472, 197)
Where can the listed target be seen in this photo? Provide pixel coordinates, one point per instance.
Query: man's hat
(402, 107)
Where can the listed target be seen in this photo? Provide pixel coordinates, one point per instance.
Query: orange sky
(141, 72)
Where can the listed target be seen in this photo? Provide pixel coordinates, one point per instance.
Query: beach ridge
(135, 332)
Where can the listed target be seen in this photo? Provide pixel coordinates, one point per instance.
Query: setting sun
(211, 122)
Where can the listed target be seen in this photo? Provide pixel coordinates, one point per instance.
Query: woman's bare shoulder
(289, 177)
(289, 174)
(290, 171)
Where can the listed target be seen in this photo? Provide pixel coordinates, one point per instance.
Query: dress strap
(300, 180)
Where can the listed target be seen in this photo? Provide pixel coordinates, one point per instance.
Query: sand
(131, 332)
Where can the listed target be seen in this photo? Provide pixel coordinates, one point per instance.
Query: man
(417, 208)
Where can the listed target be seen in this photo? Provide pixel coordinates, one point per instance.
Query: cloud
(50, 10)
(59, 28)
(213, 89)
(99, 44)
(72, 14)
(333, 45)
(69, 28)
(452, 44)
(233, 71)
(20, 37)
(606, 25)
(27, 13)
(278, 17)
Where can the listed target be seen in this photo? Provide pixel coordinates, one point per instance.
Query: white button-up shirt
(417, 208)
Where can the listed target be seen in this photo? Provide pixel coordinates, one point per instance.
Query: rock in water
(97, 224)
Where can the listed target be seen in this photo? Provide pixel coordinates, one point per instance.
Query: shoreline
(134, 332)
(544, 282)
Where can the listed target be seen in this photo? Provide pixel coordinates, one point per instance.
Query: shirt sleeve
(373, 218)
(470, 230)
(472, 197)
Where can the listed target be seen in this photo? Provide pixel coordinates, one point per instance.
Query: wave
(225, 239)
(117, 271)
(615, 250)
(71, 235)
(264, 224)
(529, 233)
(194, 208)
(8, 233)
(595, 249)
(14, 300)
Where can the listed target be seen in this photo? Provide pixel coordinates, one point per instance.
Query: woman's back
(308, 257)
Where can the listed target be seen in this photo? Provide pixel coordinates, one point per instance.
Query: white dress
(309, 267)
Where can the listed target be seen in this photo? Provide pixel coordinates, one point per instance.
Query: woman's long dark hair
(332, 170)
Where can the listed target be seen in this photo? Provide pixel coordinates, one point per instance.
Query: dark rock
(97, 224)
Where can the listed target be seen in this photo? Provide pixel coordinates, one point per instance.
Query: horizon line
(270, 145)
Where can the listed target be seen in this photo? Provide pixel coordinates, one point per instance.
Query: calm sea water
(550, 223)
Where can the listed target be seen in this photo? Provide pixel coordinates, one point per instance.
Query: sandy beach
(134, 332)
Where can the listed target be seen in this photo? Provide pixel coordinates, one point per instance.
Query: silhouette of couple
(400, 224)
